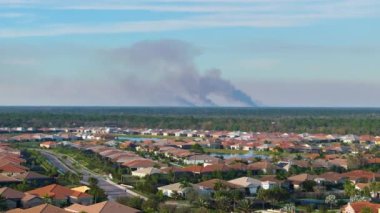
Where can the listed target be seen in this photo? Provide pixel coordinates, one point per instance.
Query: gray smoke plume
(164, 72)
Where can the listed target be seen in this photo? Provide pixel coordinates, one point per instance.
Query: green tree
(309, 185)
(221, 203)
(366, 210)
(235, 195)
(134, 202)
(197, 148)
(3, 204)
(93, 181)
(245, 205)
(349, 189)
(98, 194)
(274, 195)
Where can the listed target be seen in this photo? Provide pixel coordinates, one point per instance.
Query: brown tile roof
(9, 193)
(238, 166)
(11, 158)
(140, 163)
(210, 184)
(57, 192)
(331, 157)
(312, 156)
(43, 208)
(331, 176)
(358, 174)
(301, 178)
(271, 178)
(374, 161)
(193, 169)
(358, 206)
(103, 207)
(6, 179)
(215, 167)
(339, 162)
(12, 167)
(30, 176)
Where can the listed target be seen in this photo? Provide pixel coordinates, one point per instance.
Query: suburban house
(361, 176)
(298, 180)
(16, 199)
(171, 189)
(9, 168)
(34, 178)
(139, 163)
(250, 185)
(264, 167)
(48, 145)
(103, 207)
(209, 186)
(331, 177)
(357, 207)
(142, 172)
(43, 208)
(60, 194)
(5, 180)
(270, 181)
(339, 162)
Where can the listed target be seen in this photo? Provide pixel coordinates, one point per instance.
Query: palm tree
(184, 184)
(235, 195)
(289, 208)
(219, 186)
(331, 200)
(374, 188)
(202, 203)
(245, 205)
(221, 202)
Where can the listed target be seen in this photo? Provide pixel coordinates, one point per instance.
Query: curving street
(112, 189)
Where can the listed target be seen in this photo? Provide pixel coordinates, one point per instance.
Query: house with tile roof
(357, 207)
(43, 208)
(298, 180)
(361, 176)
(9, 168)
(60, 194)
(139, 163)
(103, 207)
(169, 190)
(250, 185)
(263, 167)
(142, 172)
(331, 177)
(15, 199)
(34, 178)
(209, 186)
(5, 180)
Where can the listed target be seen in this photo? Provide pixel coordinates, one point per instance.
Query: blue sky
(190, 52)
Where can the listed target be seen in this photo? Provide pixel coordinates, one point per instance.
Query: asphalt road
(112, 189)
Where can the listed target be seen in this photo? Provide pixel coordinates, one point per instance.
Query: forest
(298, 120)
